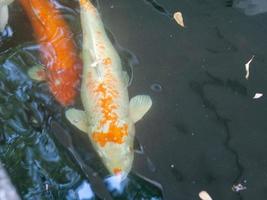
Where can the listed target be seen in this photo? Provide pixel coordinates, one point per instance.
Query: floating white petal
(257, 95)
(247, 65)
(179, 18)
(203, 195)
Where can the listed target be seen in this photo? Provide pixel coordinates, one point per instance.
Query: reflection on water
(116, 184)
(82, 192)
(251, 7)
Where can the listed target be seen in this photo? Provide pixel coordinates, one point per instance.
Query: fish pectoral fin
(37, 73)
(77, 118)
(139, 106)
(125, 78)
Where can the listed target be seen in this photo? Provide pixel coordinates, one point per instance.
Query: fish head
(118, 157)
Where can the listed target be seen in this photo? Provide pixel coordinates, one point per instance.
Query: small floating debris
(239, 187)
(257, 95)
(203, 195)
(179, 18)
(247, 65)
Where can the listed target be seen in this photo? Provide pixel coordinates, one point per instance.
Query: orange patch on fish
(117, 171)
(115, 134)
(107, 61)
(114, 131)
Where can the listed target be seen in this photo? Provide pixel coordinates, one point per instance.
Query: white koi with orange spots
(109, 117)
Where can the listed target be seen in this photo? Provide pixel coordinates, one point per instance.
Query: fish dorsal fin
(77, 118)
(139, 106)
(37, 72)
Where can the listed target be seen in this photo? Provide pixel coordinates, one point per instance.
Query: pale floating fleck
(257, 95)
(247, 65)
(156, 87)
(179, 18)
(172, 166)
(239, 187)
(203, 195)
(34, 121)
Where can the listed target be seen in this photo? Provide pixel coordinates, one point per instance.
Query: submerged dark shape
(38, 170)
(97, 184)
(158, 7)
(229, 3)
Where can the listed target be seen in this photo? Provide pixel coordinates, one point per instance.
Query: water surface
(204, 132)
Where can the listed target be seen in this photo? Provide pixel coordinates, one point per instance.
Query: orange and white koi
(58, 52)
(109, 117)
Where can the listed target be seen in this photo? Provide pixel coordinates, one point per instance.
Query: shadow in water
(236, 87)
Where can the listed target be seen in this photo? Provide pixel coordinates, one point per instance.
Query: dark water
(204, 132)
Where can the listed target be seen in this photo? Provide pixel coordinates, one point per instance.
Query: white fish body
(109, 117)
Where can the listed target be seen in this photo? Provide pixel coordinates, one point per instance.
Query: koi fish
(109, 117)
(57, 48)
(4, 13)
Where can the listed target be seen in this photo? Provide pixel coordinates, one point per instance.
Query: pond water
(205, 131)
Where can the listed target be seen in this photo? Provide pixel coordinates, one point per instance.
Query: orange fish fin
(37, 73)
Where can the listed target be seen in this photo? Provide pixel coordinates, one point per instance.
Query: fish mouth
(120, 167)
